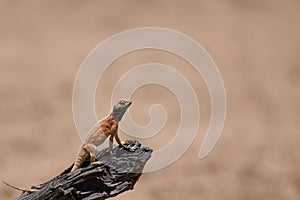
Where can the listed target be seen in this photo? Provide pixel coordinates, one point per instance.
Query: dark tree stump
(118, 174)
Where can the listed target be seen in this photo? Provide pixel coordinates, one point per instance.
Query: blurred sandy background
(255, 44)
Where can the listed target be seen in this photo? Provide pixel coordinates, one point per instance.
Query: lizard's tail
(82, 156)
(21, 189)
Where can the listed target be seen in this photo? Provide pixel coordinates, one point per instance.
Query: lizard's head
(120, 109)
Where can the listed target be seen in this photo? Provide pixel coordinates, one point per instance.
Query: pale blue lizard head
(120, 109)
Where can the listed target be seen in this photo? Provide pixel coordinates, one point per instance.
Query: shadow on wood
(118, 174)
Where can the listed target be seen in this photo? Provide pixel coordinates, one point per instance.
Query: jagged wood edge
(118, 174)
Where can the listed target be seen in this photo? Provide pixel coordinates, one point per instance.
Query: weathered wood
(118, 174)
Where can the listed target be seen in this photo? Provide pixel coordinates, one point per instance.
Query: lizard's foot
(111, 150)
(111, 153)
(126, 142)
(97, 163)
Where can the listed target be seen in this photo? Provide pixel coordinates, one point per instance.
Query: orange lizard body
(107, 127)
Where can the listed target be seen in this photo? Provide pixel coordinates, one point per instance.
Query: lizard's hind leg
(92, 149)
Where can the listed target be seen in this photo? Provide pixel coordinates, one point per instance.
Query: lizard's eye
(122, 102)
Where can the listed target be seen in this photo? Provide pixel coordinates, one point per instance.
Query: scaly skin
(107, 127)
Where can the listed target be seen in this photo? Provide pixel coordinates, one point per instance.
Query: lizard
(107, 127)
(104, 128)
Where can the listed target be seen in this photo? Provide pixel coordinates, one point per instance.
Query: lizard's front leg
(118, 140)
(111, 141)
(121, 144)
